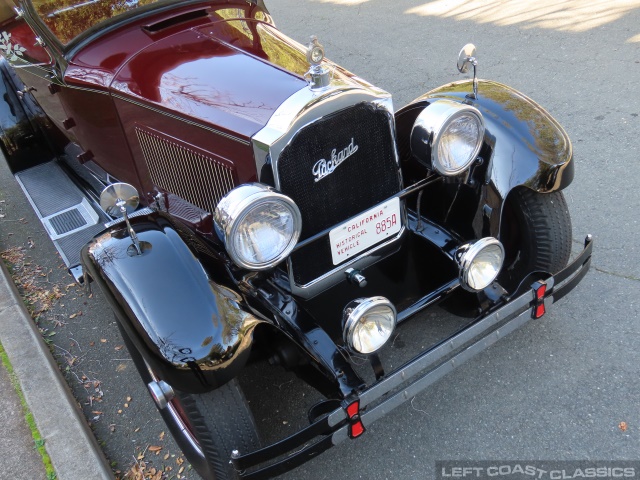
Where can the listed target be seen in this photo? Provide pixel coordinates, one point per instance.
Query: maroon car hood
(199, 77)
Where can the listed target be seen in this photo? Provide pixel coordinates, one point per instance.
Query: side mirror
(119, 200)
(466, 57)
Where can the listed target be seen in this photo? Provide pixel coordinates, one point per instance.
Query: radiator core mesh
(191, 175)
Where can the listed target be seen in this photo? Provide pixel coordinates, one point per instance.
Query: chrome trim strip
(190, 122)
(307, 106)
(137, 213)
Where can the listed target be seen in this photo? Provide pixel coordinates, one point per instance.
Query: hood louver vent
(193, 176)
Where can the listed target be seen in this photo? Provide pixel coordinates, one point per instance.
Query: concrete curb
(73, 449)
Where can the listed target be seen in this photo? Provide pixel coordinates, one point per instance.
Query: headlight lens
(368, 324)
(258, 226)
(479, 263)
(447, 136)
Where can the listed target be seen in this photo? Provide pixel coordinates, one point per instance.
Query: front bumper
(361, 410)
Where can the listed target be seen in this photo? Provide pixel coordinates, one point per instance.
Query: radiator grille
(190, 175)
(367, 177)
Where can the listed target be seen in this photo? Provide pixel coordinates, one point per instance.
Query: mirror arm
(474, 62)
(132, 233)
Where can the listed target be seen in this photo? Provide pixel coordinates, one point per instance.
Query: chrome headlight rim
(432, 123)
(465, 256)
(355, 311)
(234, 207)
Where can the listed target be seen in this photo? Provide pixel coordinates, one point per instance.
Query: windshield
(69, 18)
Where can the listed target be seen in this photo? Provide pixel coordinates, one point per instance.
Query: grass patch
(35, 433)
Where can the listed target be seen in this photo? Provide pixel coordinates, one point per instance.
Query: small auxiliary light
(368, 323)
(479, 263)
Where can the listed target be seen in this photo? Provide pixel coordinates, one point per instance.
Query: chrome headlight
(368, 323)
(447, 136)
(479, 263)
(259, 226)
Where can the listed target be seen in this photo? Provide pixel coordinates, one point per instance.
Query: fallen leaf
(119, 411)
(118, 347)
(91, 344)
(181, 470)
(126, 405)
(623, 426)
(165, 457)
(161, 436)
(137, 429)
(128, 399)
(103, 340)
(154, 448)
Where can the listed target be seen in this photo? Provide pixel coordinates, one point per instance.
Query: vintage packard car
(240, 199)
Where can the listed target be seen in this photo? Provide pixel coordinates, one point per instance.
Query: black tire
(221, 422)
(536, 234)
(208, 426)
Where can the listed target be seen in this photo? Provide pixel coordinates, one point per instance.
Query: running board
(69, 217)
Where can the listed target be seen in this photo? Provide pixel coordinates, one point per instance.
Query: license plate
(365, 230)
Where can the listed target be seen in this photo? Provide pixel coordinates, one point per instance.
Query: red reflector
(540, 292)
(353, 409)
(540, 311)
(357, 429)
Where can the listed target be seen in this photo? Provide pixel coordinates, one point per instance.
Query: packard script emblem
(323, 167)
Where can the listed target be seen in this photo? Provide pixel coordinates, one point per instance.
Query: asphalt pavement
(563, 388)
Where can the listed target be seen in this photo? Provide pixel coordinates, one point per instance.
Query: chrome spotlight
(479, 263)
(368, 323)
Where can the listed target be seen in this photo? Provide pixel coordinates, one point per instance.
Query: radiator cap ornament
(318, 75)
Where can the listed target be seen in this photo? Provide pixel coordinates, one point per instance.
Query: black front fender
(526, 146)
(20, 140)
(190, 329)
(529, 146)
